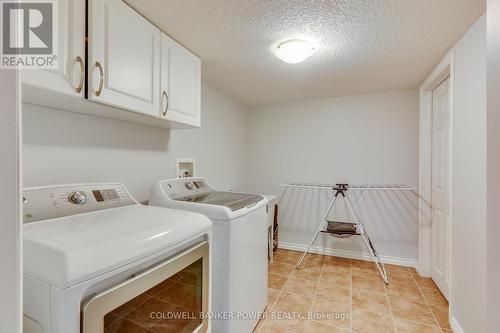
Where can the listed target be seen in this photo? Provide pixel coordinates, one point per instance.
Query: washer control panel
(182, 187)
(47, 202)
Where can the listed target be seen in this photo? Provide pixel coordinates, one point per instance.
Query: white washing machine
(239, 247)
(96, 261)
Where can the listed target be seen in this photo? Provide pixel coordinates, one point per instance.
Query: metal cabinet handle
(164, 112)
(82, 74)
(101, 81)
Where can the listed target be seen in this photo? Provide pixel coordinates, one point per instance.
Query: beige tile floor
(330, 294)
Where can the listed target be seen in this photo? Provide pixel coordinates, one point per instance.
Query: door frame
(442, 71)
(445, 69)
(11, 303)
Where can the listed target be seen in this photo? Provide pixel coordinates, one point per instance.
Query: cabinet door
(124, 52)
(180, 82)
(69, 77)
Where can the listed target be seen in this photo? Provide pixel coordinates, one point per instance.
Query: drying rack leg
(368, 242)
(320, 227)
(380, 264)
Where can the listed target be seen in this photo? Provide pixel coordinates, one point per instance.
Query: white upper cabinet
(180, 83)
(134, 72)
(124, 58)
(69, 77)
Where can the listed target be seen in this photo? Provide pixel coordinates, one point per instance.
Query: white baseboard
(348, 254)
(455, 326)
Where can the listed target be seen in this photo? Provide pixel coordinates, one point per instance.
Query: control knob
(78, 197)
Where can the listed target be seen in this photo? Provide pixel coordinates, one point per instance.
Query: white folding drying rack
(341, 190)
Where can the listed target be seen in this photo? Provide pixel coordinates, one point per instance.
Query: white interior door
(441, 186)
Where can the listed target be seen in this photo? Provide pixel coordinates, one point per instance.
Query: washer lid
(69, 250)
(196, 195)
(231, 200)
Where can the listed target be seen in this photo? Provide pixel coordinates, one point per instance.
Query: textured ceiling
(364, 46)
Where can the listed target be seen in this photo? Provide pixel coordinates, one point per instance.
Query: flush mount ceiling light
(294, 51)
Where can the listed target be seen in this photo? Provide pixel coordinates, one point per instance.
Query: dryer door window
(171, 297)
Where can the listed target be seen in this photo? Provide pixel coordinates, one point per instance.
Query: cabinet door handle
(164, 112)
(101, 80)
(79, 60)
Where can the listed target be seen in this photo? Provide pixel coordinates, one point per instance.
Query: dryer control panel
(42, 203)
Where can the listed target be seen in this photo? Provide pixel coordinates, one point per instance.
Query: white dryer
(239, 247)
(96, 261)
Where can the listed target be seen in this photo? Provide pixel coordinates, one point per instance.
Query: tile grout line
(391, 313)
(315, 289)
(282, 290)
(390, 307)
(317, 286)
(279, 295)
(348, 287)
(426, 302)
(387, 300)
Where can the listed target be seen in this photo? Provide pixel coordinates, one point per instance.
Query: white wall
(493, 263)
(10, 226)
(355, 139)
(468, 299)
(65, 147)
